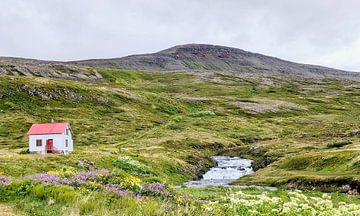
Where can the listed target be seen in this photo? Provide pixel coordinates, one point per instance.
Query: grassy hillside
(298, 131)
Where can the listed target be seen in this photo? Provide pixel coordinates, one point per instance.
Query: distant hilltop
(189, 57)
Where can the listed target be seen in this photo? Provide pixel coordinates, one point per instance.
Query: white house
(50, 138)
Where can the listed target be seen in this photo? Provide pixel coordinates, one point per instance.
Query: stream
(228, 169)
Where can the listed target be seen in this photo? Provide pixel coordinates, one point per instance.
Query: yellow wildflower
(180, 200)
(207, 208)
(131, 181)
(54, 172)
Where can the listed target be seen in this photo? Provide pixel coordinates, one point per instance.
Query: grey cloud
(325, 32)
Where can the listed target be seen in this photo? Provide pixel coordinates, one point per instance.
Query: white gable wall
(58, 142)
(70, 140)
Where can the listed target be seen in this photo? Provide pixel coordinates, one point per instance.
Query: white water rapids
(228, 169)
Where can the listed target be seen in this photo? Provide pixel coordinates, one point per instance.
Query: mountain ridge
(188, 57)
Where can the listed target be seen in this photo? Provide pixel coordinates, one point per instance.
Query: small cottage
(50, 138)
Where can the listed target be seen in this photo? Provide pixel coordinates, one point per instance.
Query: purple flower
(82, 177)
(93, 175)
(4, 180)
(154, 189)
(45, 178)
(139, 197)
(115, 189)
(74, 181)
(52, 179)
(79, 179)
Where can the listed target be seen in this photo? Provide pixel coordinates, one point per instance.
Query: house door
(49, 145)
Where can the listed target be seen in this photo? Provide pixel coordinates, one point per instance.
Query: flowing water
(228, 169)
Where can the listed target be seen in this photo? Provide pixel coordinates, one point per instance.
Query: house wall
(70, 148)
(58, 142)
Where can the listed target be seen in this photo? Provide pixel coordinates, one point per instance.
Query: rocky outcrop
(29, 67)
(354, 132)
(69, 95)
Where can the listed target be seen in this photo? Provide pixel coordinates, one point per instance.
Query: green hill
(301, 132)
(180, 118)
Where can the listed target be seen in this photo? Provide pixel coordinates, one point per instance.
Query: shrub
(152, 179)
(178, 119)
(116, 190)
(132, 182)
(39, 191)
(63, 194)
(131, 166)
(4, 181)
(154, 189)
(45, 178)
(339, 144)
(60, 193)
(19, 188)
(25, 151)
(82, 178)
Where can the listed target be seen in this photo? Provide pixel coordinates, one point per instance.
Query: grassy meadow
(162, 127)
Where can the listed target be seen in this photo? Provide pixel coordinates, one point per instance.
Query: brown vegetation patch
(255, 106)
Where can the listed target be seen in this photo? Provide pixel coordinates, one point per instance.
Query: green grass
(36, 199)
(171, 122)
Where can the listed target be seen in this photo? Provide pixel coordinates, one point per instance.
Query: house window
(66, 143)
(38, 142)
(67, 131)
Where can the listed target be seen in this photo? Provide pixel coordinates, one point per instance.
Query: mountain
(190, 57)
(215, 58)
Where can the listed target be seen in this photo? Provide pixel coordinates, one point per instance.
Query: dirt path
(7, 210)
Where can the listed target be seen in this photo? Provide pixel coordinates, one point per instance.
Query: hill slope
(215, 58)
(301, 133)
(177, 119)
(191, 57)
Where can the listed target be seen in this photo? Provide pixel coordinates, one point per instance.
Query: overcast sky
(325, 32)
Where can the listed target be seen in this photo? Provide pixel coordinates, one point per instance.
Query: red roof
(48, 128)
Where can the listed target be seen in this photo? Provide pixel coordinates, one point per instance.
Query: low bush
(152, 179)
(25, 151)
(60, 193)
(132, 166)
(339, 144)
(177, 119)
